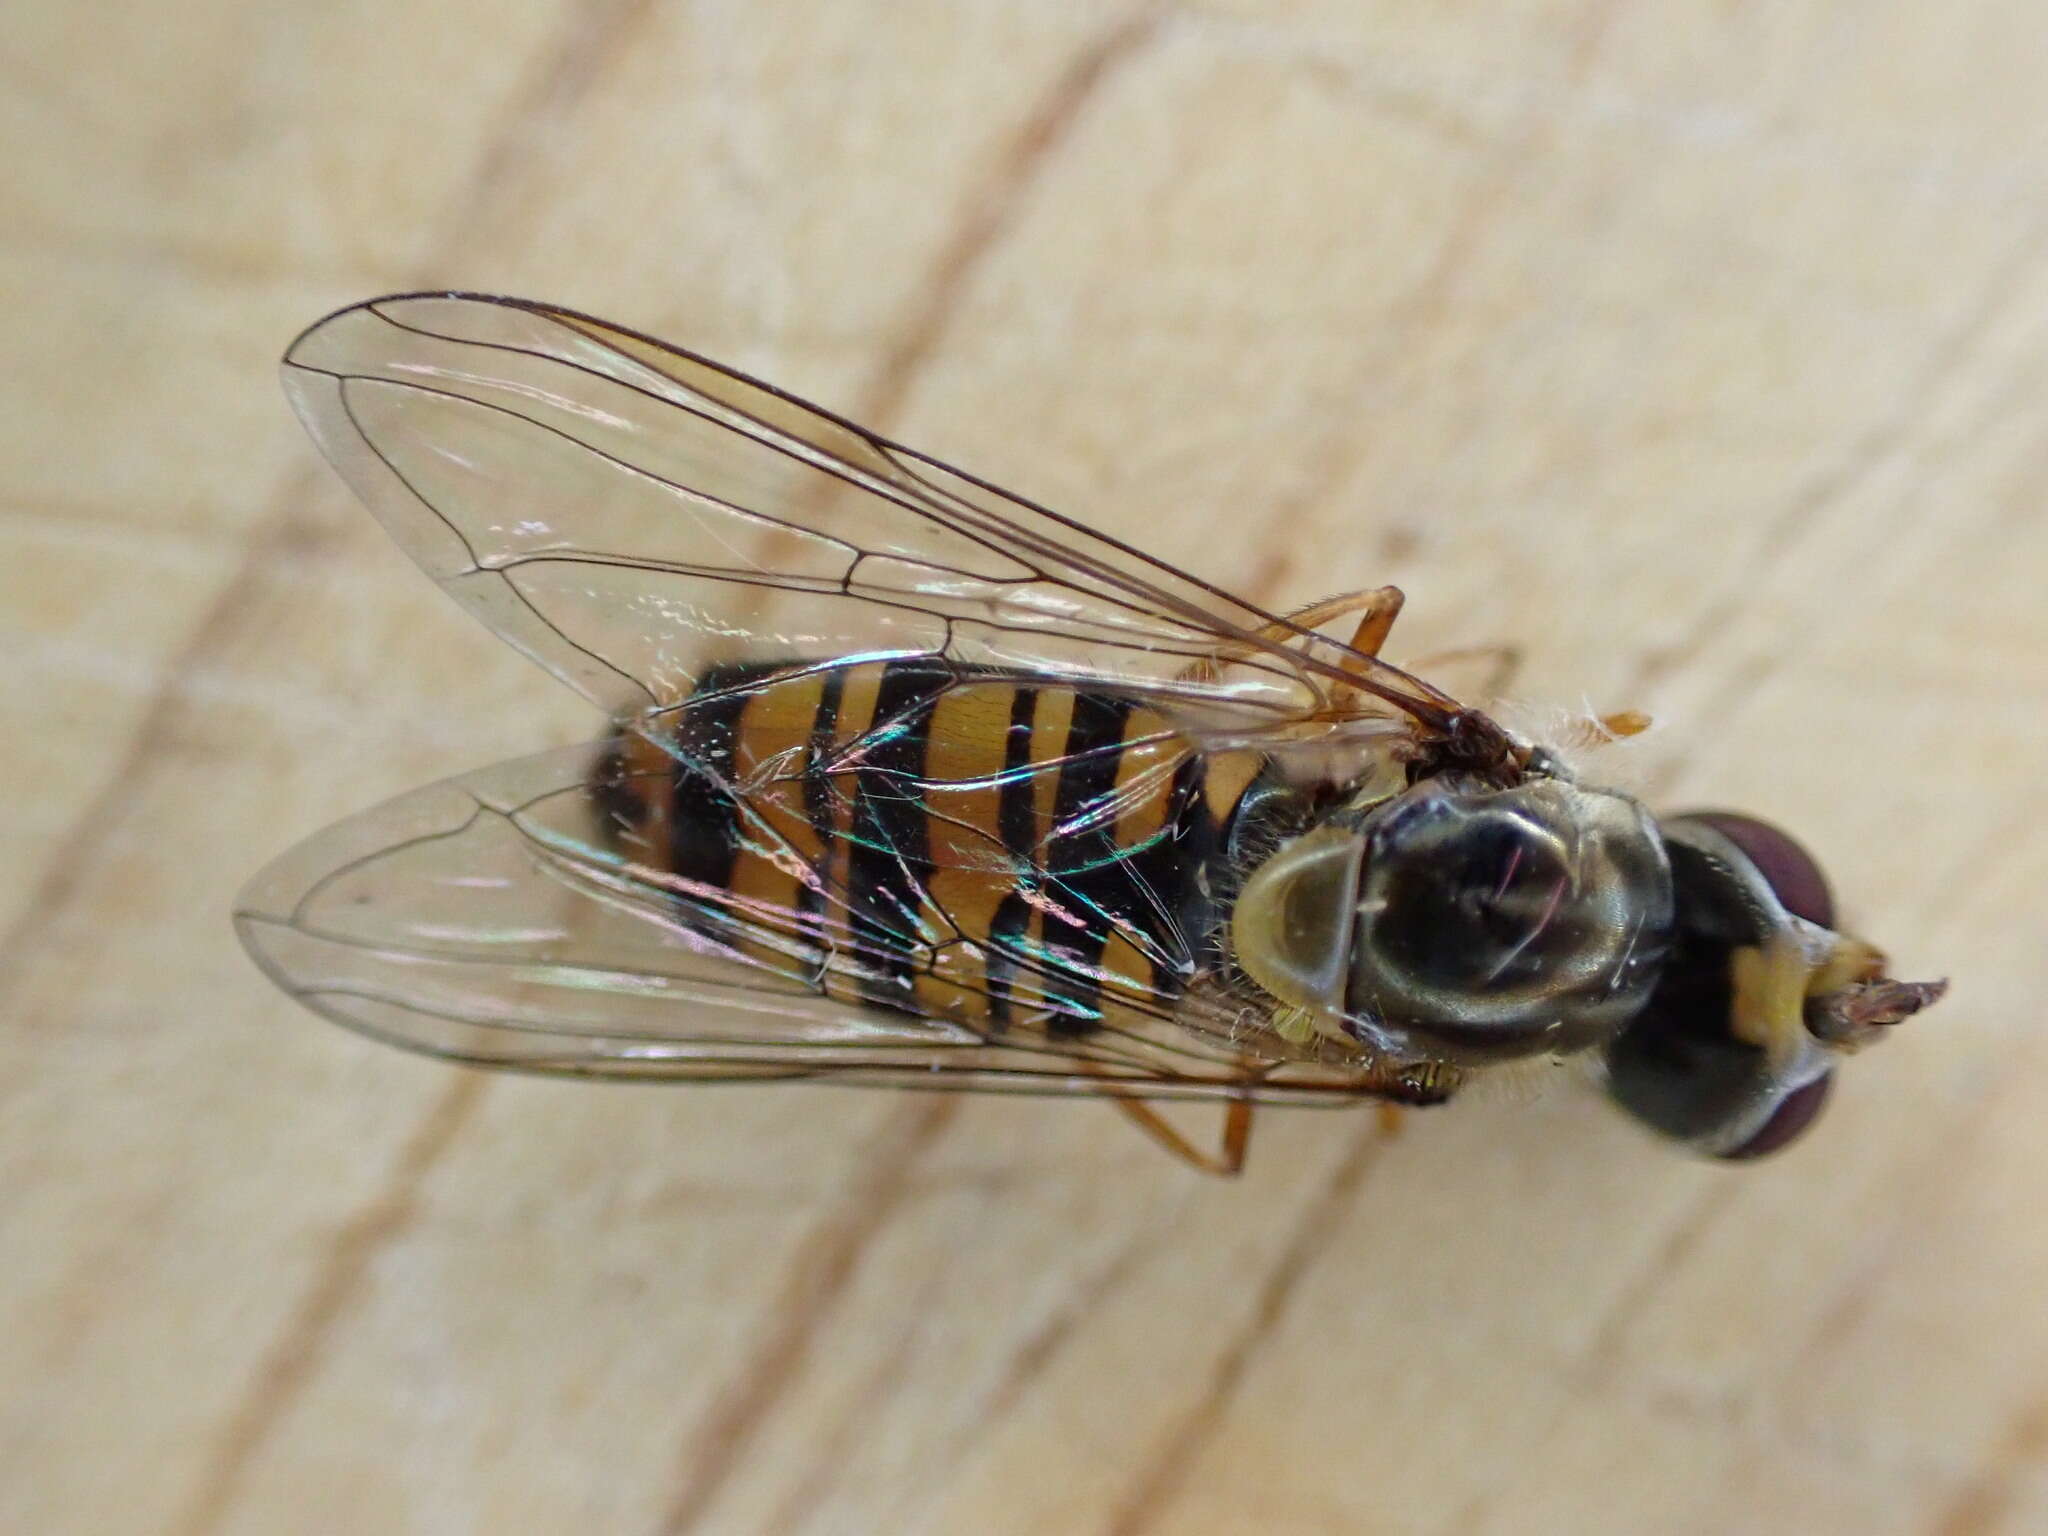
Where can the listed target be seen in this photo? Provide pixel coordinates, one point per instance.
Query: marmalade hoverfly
(914, 783)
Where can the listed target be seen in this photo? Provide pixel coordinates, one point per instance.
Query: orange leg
(1377, 609)
(1226, 1162)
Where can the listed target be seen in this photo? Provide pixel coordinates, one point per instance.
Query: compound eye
(1679, 1072)
(1793, 1117)
(1792, 873)
(1685, 1067)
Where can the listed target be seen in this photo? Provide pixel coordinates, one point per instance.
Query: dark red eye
(1789, 1121)
(1788, 868)
(1685, 1067)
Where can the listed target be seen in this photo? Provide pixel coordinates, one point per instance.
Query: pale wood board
(1703, 348)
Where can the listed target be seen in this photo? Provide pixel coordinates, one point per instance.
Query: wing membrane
(630, 515)
(642, 522)
(486, 920)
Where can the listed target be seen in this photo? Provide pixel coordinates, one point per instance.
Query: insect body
(997, 852)
(914, 783)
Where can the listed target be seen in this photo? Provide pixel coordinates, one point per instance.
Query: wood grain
(1701, 349)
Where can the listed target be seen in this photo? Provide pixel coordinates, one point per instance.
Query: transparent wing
(630, 515)
(492, 919)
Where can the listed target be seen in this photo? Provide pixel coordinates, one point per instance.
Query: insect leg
(1377, 611)
(1377, 607)
(1226, 1162)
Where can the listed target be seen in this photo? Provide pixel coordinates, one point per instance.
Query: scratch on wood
(1979, 1507)
(1383, 85)
(153, 528)
(987, 212)
(594, 30)
(145, 255)
(1961, 1140)
(283, 537)
(818, 1278)
(827, 1455)
(1851, 1301)
(991, 207)
(1041, 1346)
(1988, 1497)
(1598, 1362)
(1344, 449)
(37, 88)
(1603, 1350)
(84, 845)
(1883, 442)
(592, 36)
(295, 1354)
(1269, 573)
(1948, 902)
(1153, 1491)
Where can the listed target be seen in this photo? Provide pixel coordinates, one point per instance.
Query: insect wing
(630, 515)
(486, 920)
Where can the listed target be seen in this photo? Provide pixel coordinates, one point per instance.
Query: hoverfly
(914, 783)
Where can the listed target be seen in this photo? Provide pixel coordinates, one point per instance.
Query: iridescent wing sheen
(497, 919)
(630, 515)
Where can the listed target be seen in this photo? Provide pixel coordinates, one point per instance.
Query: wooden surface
(1701, 347)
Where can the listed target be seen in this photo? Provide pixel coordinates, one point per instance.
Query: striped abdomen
(956, 846)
